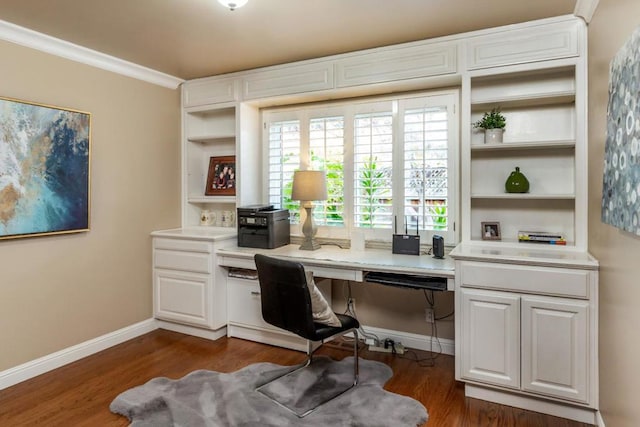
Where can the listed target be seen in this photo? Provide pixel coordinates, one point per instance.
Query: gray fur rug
(206, 398)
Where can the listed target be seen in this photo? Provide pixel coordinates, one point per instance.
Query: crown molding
(585, 9)
(32, 39)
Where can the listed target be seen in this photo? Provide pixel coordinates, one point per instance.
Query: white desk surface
(526, 254)
(334, 257)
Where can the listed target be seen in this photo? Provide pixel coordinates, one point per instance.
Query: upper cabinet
(288, 80)
(209, 91)
(516, 45)
(399, 63)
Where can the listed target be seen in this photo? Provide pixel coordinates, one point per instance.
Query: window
(390, 163)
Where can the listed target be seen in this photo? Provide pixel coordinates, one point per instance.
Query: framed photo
(491, 231)
(44, 169)
(221, 179)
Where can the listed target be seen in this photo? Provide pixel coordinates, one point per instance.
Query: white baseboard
(576, 413)
(192, 330)
(417, 341)
(68, 355)
(63, 357)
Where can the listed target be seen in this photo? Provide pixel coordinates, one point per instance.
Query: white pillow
(322, 313)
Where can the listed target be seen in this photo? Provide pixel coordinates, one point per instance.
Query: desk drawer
(244, 306)
(517, 278)
(335, 273)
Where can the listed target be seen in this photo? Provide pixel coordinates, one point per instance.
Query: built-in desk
(328, 262)
(333, 262)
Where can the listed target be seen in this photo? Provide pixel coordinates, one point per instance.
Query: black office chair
(286, 303)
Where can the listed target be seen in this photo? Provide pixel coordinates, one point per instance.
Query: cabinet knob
(255, 293)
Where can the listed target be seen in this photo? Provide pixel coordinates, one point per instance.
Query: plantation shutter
(426, 159)
(326, 148)
(284, 159)
(373, 165)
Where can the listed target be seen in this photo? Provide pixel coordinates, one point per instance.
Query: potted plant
(493, 123)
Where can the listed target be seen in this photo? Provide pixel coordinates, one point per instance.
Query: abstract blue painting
(44, 169)
(621, 181)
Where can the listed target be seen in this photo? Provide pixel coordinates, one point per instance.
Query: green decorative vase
(517, 182)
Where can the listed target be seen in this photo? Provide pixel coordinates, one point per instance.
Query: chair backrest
(284, 295)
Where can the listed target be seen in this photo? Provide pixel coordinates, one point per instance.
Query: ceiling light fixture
(233, 4)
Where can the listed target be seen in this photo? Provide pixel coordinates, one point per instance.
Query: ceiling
(198, 38)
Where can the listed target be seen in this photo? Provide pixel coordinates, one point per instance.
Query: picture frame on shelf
(490, 230)
(221, 177)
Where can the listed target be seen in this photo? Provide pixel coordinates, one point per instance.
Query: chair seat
(323, 332)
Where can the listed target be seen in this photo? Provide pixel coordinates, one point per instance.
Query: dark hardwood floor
(79, 394)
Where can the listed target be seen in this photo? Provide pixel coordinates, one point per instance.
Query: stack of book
(541, 237)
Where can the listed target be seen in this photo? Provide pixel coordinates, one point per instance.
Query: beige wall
(58, 291)
(617, 251)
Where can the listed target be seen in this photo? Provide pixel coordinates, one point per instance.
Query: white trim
(192, 330)
(65, 356)
(599, 420)
(410, 340)
(580, 414)
(29, 38)
(585, 9)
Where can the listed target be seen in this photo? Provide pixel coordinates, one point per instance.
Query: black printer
(262, 226)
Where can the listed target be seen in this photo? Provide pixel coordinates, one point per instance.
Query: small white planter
(493, 136)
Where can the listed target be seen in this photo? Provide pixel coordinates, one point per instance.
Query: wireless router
(405, 244)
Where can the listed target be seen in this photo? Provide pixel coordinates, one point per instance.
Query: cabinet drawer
(212, 91)
(182, 245)
(540, 42)
(244, 306)
(184, 261)
(397, 64)
(517, 278)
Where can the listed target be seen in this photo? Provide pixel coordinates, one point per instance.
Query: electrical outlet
(429, 316)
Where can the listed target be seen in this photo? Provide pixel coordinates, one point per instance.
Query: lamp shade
(309, 185)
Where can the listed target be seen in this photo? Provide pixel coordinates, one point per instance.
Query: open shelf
(524, 196)
(211, 139)
(211, 199)
(531, 145)
(516, 101)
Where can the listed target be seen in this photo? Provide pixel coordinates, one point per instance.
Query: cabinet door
(555, 356)
(182, 297)
(209, 91)
(288, 80)
(399, 63)
(491, 337)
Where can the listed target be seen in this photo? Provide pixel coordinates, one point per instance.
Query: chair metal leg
(310, 352)
(356, 371)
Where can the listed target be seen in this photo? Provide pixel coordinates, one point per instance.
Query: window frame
(349, 108)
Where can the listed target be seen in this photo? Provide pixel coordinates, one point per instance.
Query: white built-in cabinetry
(526, 317)
(213, 130)
(188, 286)
(542, 138)
(527, 323)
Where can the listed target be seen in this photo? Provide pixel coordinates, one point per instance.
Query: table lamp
(307, 187)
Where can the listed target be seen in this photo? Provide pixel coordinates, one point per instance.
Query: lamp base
(309, 245)
(309, 230)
